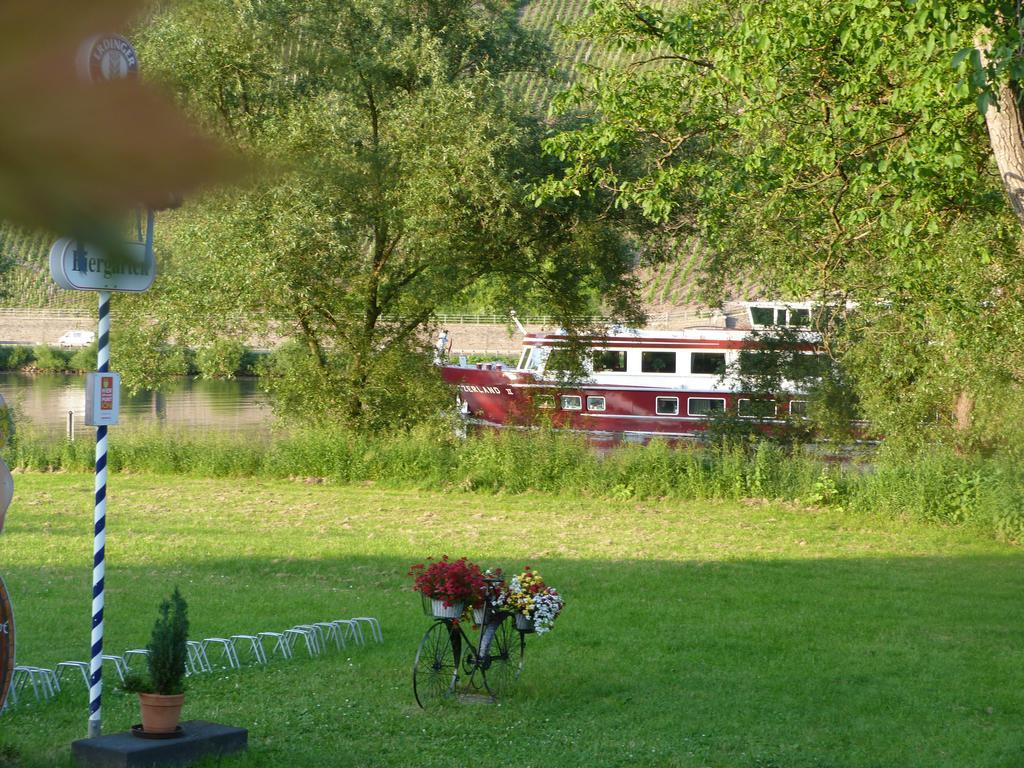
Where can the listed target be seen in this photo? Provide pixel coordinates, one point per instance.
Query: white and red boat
(636, 384)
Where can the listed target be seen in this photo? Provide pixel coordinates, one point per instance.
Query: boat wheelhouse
(635, 384)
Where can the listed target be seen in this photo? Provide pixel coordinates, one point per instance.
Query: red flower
(452, 581)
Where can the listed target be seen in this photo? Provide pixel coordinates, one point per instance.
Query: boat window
(561, 360)
(534, 359)
(595, 403)
(762, 315)
(798, 408)
(748, 408)
(707, 362)
(610, 361)
(523, 357)
(705, 406)
(572, 403)
(658, 362)
(783, 316)
(545, 401)
(666, 406)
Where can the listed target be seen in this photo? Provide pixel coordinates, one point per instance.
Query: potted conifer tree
(162, 691)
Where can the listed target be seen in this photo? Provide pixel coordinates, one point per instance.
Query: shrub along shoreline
(223, 360)
(938, 486)
(218, 362)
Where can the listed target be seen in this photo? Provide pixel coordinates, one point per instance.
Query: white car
(76, 339)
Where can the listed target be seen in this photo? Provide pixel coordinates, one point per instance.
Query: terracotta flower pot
(160, 714)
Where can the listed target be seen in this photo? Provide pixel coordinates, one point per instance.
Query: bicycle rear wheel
(504, 660)
(436, 669)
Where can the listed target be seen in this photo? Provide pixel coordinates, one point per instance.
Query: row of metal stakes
(316, 638)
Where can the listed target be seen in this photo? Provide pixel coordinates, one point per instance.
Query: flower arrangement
(494, 587)
(528, 596)
(453, 582)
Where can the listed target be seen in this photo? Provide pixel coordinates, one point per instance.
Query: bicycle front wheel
(436, 669)
(504, 660)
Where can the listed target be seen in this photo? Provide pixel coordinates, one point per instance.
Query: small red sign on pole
(106, 393)
(102, 398)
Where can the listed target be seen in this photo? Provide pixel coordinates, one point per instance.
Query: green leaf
(960, 57)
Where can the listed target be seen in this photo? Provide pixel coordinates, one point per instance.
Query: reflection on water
(45, 399)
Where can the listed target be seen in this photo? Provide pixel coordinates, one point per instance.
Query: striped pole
(99, 532)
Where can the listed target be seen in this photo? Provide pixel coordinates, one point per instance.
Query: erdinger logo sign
(107, 57)
(6, 644)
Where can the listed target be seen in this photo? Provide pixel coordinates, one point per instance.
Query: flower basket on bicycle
(448, 585)
(439, 610)
(447, 655)
(534, 604)
(504, 615)
(525, 624)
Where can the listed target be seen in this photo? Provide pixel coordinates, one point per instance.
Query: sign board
(107, 57)
(6, 643)
(102, 398)
(81, 267)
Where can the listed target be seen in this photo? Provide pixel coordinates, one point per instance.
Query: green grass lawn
(695, 634)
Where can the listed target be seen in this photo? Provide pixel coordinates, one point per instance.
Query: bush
(84, 359)
(51, 358)
(252, 362)
(14, 357)
(220, 360)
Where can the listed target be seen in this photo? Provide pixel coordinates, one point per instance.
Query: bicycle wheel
(436, 669)
(504, 660)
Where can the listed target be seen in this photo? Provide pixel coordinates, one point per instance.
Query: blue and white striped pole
(99, 532)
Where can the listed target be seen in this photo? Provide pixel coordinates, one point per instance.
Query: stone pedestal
(122, 750)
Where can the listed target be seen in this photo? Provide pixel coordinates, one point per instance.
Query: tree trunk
(1006, 133)
(357, 380)
(962, 411)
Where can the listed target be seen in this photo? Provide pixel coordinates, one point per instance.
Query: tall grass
(944, 487)
(940, 486)
(494, 462)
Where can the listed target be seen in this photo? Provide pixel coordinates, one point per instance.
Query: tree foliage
(832, 150)
(399, 180)
(145, 358)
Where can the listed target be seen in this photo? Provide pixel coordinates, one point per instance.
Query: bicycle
(497, 659)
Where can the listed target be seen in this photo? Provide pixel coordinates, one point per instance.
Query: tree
(830, 149)
(785, 364)
(399, 181)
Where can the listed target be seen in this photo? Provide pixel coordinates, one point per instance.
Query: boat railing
(682, 316)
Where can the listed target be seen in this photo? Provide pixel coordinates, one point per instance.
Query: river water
(43, 401)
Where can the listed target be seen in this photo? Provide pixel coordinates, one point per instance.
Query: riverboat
(634, 384)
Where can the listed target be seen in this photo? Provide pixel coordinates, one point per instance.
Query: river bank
(940, 487)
